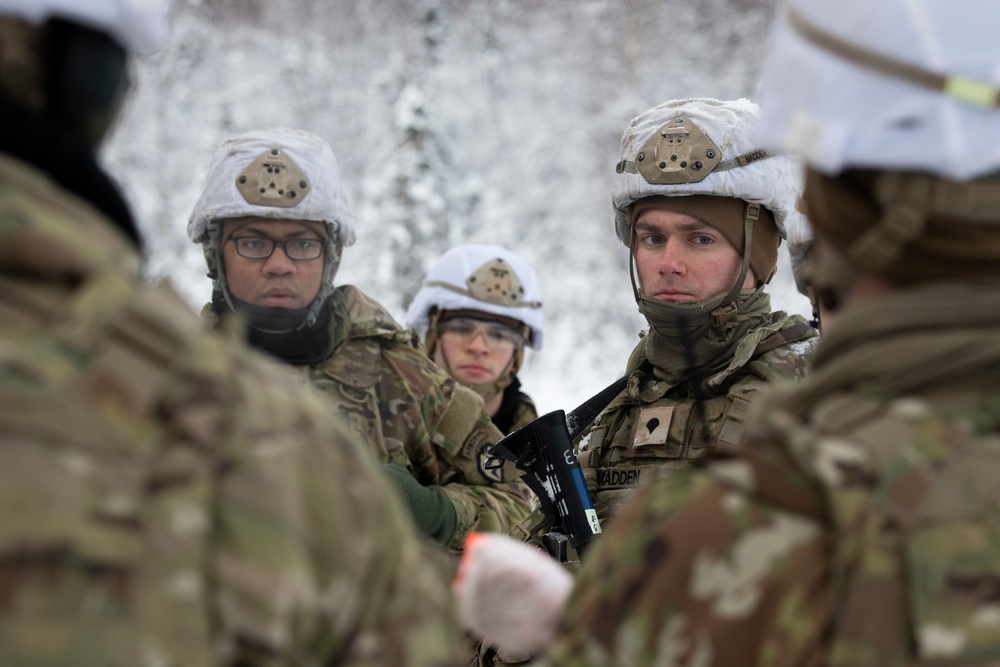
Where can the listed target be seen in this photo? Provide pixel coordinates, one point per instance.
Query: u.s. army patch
(493, 472)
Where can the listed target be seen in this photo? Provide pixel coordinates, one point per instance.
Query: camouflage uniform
(617, 456)
(410, 412)
(857, 527)
(653, 426)
(169, 498)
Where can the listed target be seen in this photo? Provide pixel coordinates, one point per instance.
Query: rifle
(543, 451)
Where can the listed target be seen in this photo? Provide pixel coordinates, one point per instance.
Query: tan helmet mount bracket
(496, 282)
(679, 152)
(273, 179)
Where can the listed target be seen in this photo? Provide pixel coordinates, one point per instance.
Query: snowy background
(492, 121)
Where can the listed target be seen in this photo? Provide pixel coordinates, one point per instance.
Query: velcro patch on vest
(459, 422)
(733, 428)
(652, 425)
(732, 433)
(618, 478)
(740, 409)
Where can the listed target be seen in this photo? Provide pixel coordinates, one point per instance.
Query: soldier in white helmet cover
(858, 524)
(273, 219)
(480, 305)
(702, 208)
(169, 497)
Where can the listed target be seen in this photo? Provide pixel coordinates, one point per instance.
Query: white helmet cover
(772, 181)
(140, 26)
(450, 285)
(875, 103)
(321, 199)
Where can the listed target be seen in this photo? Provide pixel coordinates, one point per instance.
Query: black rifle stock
(543, 451)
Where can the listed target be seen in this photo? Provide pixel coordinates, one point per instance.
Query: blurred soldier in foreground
(273, 220)
(702, 210)
(858, 524)
(169, 498)
(479, 306)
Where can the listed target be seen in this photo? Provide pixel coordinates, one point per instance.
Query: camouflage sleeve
(314, 560)
(713, 574)
(446, 435)
(169, 499)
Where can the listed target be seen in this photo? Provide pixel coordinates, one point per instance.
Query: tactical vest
(652, 427)
(638, 436)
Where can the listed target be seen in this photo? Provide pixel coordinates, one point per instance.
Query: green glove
(430, 507)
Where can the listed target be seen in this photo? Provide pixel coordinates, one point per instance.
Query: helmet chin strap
(730, 304)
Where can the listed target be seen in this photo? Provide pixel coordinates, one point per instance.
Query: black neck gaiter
(282, 332)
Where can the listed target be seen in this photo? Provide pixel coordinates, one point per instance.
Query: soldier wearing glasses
(480, 306)
(273, 220)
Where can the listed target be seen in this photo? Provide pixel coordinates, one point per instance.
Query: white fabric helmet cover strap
(493, 282)
(680, 152)
(963, 89)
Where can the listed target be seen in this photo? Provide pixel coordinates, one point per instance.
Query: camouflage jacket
(409, 411)
(858, 527)
(169, 497)
(653, 426)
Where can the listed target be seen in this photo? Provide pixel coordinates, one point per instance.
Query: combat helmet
(895, 107)
(485, 282)
(139, 26)
(694, 147)
(281, 174)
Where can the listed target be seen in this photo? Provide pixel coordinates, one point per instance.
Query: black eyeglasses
(259, 247)
(466, 329)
